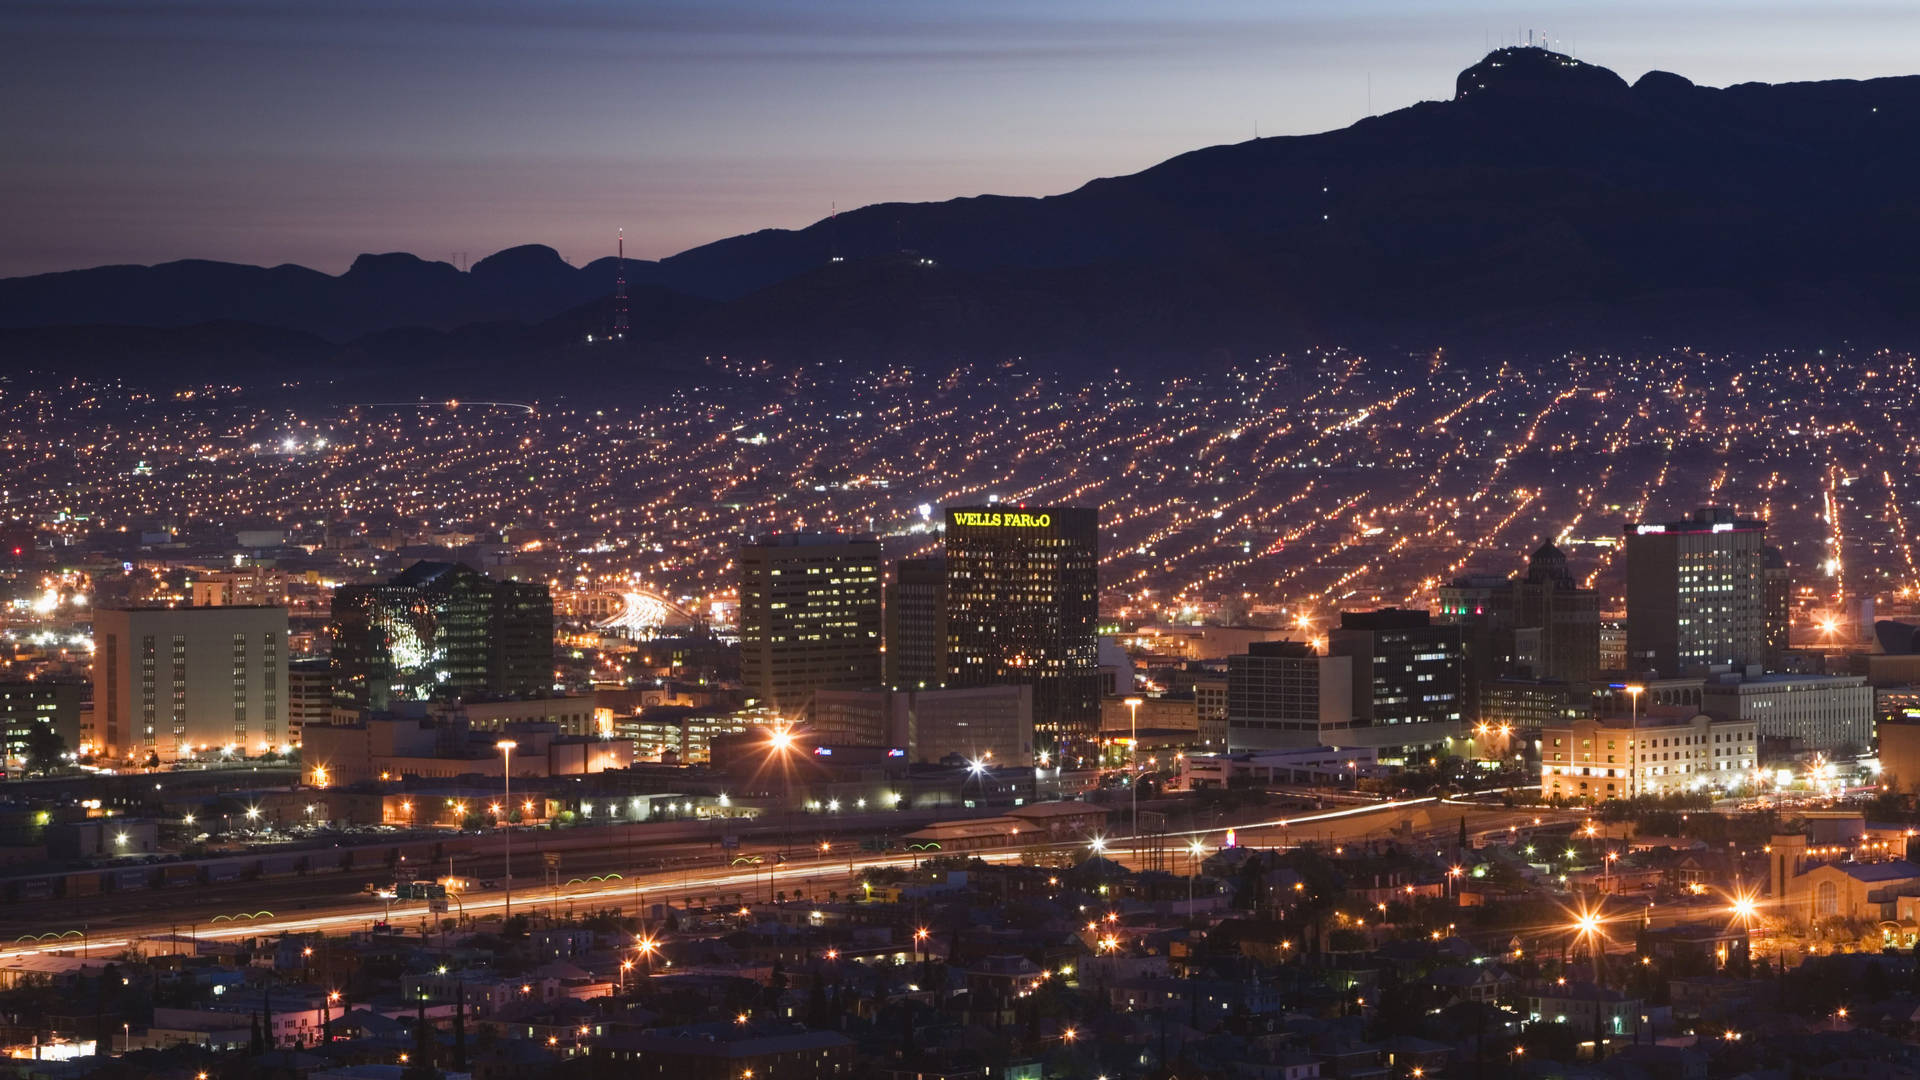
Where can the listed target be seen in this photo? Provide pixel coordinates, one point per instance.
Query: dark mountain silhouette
(1549, 204)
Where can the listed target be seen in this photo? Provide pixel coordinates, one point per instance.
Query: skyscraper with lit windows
(1023, 606)
(1696, 593)
(809, 617)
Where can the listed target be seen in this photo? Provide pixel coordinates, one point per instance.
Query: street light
(505, 746)
(1133, 764)
(1195, 850)
(1633, 742)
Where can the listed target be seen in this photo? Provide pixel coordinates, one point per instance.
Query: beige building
(1670, 751)
(1174, 712)
(174, 681)
(1813, 885)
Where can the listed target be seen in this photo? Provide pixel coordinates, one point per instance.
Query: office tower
(1406, 672)
(809, 616)
(440, 631)
(1779, 599)
(1023, 606)
(170, 681)
(916, 621)
(309, 695)
(32, 706)
(1541, 625)
(1283, 694)
(1696, 593)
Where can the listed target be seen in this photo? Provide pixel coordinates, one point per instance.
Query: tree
(460, 1027)
(420, 1064)
(44, 748)
(1463, 832)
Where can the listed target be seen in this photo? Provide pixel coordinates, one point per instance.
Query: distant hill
(1549, 203)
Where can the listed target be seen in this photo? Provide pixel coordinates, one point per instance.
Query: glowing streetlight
(506, 748)
(1133, 762)
(1633, 743)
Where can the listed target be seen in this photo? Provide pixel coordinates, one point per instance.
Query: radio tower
(620, 288)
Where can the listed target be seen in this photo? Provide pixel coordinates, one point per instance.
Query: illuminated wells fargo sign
(1005, 519)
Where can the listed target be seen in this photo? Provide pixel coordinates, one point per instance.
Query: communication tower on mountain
(620, 287)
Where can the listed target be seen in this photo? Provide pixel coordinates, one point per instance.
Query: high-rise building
(1541, 625)
(173, 681)
(1210, 709)
(440, 631)
(1406, 669)
(916, 620)
(1778, 589)
(28, 706)
(309, 695)
(1023, 606)
(1696, 593)
(1282, 694)
(809, 616)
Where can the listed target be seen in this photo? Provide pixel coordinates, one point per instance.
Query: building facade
(1667, 753)
(1210, 711)
(1407, 670)
(1696, 593)
(1777, 594)
(170, 682)
(309, 695)
(916, 624)
(1827, 713)
(440, 631)
(809, 617)
(971, 723)
(1539, 625)
(1023, 606)
(35, 705)
(1282, 694)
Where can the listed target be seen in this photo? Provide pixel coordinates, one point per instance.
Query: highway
(333, 903)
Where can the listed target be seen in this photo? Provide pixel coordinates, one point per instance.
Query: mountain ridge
(1548, 197)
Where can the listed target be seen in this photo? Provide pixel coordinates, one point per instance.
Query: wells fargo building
(1023, 606)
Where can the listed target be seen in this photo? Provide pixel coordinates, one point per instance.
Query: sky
(268, 132)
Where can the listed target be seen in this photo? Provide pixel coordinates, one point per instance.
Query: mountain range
(1548, 204)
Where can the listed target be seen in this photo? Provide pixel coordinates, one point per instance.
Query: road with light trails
(719, 883)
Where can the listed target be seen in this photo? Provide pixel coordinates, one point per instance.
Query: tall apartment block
(810, 617)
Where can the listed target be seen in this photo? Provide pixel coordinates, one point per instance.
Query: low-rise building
(1817, 712)
(387, 747)
(726, 1052)
(1671, 751)
(1586, 1008)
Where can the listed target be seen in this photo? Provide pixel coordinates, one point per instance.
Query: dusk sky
(267, 132)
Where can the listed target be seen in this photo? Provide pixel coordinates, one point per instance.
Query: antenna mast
(620, 287)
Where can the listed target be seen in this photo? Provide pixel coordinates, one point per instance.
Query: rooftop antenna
(620, 286)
